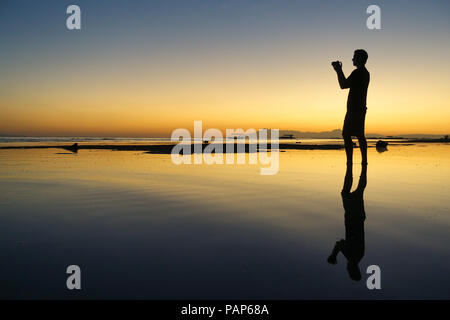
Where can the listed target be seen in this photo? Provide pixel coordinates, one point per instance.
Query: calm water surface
(142, 227)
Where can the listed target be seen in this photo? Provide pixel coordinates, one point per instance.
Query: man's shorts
(354, 123)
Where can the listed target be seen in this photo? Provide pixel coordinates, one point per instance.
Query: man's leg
(348, 147)
(363, 146)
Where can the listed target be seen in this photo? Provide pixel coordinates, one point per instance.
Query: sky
(144, 68)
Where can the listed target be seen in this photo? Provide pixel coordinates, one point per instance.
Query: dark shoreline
(167, 148)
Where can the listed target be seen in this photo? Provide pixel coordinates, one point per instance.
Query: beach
(141, 227)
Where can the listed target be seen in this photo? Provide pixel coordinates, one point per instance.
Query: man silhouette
(358, 82)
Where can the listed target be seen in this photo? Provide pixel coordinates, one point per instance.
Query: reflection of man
(358, 82)
(353, 246)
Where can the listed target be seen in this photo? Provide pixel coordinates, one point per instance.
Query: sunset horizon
(167, 134)
(159, 68)
(224, 158)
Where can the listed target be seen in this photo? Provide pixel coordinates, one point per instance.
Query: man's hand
(337, 65)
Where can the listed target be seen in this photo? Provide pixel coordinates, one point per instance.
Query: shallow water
(141, 227)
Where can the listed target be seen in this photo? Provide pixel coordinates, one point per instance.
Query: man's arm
(332, 259)
(344, 83)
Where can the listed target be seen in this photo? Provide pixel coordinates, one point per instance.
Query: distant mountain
(9, 135)
(337, 133)
(422, 136)
(333, 134)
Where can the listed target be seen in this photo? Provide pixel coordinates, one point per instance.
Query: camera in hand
(336, 64)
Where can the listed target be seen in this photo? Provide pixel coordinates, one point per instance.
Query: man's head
(360, 58)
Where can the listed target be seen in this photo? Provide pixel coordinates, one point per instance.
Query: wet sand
(141, 227)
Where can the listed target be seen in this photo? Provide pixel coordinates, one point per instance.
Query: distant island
(337, 134)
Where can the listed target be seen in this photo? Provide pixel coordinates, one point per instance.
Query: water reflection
(353, 246)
